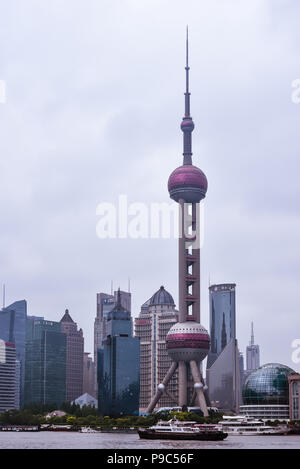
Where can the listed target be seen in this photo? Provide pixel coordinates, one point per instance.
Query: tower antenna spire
(187, 124)
(187, 72)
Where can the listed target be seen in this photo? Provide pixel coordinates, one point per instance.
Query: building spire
(252, 334)
(187, 125)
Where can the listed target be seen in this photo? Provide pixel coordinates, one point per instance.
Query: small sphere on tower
(187, 125)
(187, 341)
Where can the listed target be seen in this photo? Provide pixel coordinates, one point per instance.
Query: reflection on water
(64, 440)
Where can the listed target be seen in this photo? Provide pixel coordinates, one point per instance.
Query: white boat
(182, 430)
(88, 430)
(243, 425)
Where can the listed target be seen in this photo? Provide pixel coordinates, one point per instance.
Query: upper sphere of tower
(187, 125)
(188, 183)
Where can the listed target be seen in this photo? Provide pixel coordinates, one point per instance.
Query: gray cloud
(94, 103)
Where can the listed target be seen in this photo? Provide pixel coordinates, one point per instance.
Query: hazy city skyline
(94, 101)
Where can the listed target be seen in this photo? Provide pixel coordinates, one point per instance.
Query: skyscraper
(75, 351)
(222, 318)
(88, 375)
(252, 353)
(156, 318)
(105, 303)
(187, 341)
(13, 330)
(224, 363)
(119, 365)
(7, 376)
(46, 353)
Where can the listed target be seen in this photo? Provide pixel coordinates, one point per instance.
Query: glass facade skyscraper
(119, 365)
(223, 361)
(45, 377)
(105, 303)
(13, 330)
(222, 318)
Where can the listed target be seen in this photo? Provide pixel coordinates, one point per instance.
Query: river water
(75, 440)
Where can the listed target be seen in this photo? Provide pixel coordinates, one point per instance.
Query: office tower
(156, 318)
(222, 318)
(187, 341)
(223, 361)
(46, 355)
(88, 375)
(105, 303)
(7, 376)
(119, 365)
(12, 330)
(252, 353)
(75, 351)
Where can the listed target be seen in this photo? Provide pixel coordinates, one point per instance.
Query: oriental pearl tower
(187, 342)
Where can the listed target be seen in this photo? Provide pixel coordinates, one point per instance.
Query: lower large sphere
(187, 341)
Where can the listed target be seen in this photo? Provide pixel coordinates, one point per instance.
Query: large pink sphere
(188, 183)
(187, 341)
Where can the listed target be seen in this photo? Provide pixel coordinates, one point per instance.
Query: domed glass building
(266, 392)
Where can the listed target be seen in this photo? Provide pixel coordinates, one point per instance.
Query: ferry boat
(88, 430)
(243, 425)
(178, 430)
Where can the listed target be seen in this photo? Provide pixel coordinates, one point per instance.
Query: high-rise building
(105, 303)
(252, 353)
(187, 341)
(119, 365)
(75, 353)
(46, 354)
(13, 330)
(222, 318)
(156, 318)
(7, 376)
(88, 375)
(224, 361)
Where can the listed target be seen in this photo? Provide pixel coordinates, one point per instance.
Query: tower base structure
(182, 377)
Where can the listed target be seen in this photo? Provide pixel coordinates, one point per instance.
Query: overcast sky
(94, 100)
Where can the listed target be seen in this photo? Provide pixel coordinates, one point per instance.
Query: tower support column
(199, 390)
(161, 387)
(182, 384)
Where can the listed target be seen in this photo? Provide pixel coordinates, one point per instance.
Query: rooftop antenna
(111, 287)
(4, 295)
(128, 285)
(252, 334)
